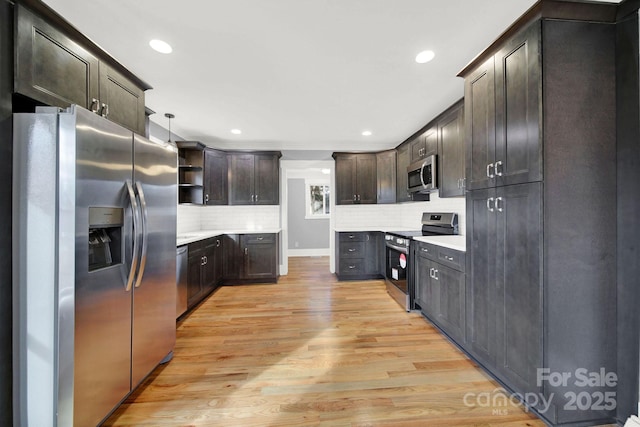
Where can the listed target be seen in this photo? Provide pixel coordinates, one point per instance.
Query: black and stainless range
(398, 254)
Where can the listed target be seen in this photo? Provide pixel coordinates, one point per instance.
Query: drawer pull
(351, 236)
(351, 267)
(352, 250)
(448, 258)
(424, 249)
(260, 238)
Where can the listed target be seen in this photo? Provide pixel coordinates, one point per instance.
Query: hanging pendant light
(169, 116)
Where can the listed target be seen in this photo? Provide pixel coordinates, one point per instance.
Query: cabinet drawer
(451, 258)
(196, 247)
(352, 250)
(259, 238)
(427, 250)
(352, 266)
(352, 237)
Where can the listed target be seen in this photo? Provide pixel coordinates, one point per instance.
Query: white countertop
(459, 243)
(194, 236)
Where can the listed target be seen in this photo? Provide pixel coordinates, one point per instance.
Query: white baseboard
(309, 252)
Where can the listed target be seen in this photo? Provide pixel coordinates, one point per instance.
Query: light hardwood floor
(311, 351)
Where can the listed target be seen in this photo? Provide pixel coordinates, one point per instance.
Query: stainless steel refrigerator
(94, 241)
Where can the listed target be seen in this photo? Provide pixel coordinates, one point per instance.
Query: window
(317, 200)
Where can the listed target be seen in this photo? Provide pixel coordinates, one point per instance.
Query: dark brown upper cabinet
(356, 178)
(451, 152)
(254, 178)
(202, 174)
(424, 145)
(502, 115)
(57, 65)
(386, 176)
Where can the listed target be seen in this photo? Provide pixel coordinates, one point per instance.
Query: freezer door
(103, 303)
(154, 301)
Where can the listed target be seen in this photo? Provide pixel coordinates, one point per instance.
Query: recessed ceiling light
(236, 131)
(160, 46)
(425, 56)
(366, 133)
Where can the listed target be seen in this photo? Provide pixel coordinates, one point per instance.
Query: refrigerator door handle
(136, 225)
(143, 255)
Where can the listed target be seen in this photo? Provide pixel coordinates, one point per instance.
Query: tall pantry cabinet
(541, 150)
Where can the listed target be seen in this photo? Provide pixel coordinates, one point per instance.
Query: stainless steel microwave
(422, 175)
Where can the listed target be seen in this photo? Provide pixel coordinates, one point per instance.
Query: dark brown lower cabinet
(251, 258)
(358, 255)
(204, 269)
(440, 288)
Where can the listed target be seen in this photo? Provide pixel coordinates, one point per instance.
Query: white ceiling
(296, 74)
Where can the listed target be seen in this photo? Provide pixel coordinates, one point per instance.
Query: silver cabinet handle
(448, 258)
(217, 243)
(431, 270)
(490, 201)
(252, 198)
(489, 173)
(500, 204)
(206, 198)
(256, 198)
(351, 236)
(260, 238)
(201, 260)
(95, 105)
(352, 250)
(435, 274)
(459, 183)
(104, 111)
(498, 170)
(351, 267)
(246, 251)
(424, 250)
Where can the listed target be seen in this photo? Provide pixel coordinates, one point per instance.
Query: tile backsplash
(406, 215)
(188, 218)
(240, 217)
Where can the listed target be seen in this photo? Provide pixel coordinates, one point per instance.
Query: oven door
(397, 275)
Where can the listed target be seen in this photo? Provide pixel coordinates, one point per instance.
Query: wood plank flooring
(311, 351)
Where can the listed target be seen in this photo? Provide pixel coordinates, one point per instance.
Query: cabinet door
(428, 290)
(402, 161)
(194, 278)
(50, 67)
(519, 284)
(120, 100)
(481, 293)
(241, 179)
(231, 256)
(209, 266)
(451, 155)
(345, 179)
(451, 315)
(259, 260)
(518, 155)
(366, 178)
(215, 178)
(386, 176)
(480, 125)
(267, 180)
(372, 255)
(417, 148)
(430, 142)
(218, 261)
